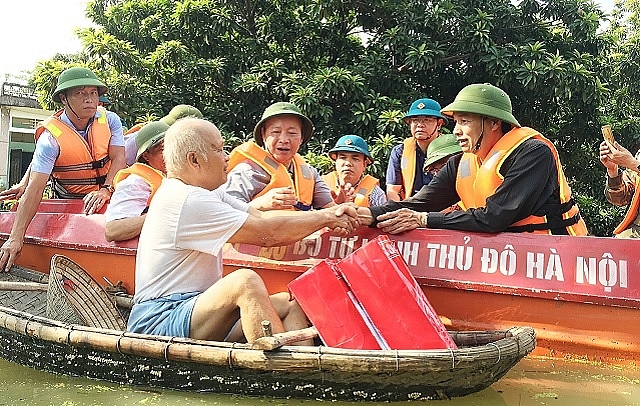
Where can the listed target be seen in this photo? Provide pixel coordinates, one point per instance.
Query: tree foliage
(355, 67)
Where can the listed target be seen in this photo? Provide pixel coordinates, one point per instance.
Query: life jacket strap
(61, 193)
(90, 181)
(556, 224)
(89, 165)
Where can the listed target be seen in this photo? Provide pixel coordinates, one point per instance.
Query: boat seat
(75, 297)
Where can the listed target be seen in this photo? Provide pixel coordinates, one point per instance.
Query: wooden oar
(30, 286)
(279, 339)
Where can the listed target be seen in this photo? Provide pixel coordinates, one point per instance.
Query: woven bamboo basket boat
(30, 336)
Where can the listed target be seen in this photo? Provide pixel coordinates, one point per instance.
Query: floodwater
(533, 382)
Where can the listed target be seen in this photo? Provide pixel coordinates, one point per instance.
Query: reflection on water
(534, 381)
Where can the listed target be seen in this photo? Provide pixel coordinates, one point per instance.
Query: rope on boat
(26, 325)
(397, 361)
(230, 356)
(498, 348)
(319, 358)
(118, 342)
(166, 349)
(69, 331)
(453, 359)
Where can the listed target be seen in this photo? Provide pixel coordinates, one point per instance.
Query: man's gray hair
(182, 137)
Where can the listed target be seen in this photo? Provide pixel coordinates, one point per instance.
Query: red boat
(581, 294)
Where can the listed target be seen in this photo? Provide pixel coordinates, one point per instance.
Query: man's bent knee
(248, 283)
(245, 277)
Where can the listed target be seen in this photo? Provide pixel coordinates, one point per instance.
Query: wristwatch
(110, 188)
(423, 219)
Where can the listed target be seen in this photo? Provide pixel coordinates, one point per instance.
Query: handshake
(344, 218)
(347, 217)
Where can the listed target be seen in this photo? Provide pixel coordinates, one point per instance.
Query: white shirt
(129, 199)
(180, 245)
(130, 148)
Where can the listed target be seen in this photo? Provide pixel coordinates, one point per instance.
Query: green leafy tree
(355, 67)
(620, 108)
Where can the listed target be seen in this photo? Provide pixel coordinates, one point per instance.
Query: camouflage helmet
(485, 100)
(351, 143)
(149, 135)
(181, 111)
(76, 77)
(282, 108)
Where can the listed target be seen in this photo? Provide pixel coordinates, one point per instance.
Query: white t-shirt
(179, 247)
(129, 199)
(130, 148)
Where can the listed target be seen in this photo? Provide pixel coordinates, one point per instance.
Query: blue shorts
(165, 316)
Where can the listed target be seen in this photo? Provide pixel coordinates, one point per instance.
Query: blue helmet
(351, 143)
(425, 107)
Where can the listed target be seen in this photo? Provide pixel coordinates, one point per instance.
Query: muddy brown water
(534, 381)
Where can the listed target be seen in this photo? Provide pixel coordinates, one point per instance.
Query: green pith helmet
(104, 100)
(76, 77)
(351, 143)
(442, 146)
(278, 109)
(149, 135)
(485, 100)
(168, 120)
(181, 111)
(425, 107)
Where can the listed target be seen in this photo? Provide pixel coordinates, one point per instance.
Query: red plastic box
(370, 300)
(326, 299)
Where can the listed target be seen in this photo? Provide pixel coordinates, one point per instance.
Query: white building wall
(7, 115)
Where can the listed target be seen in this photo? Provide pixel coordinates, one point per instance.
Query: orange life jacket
(81, 166)
(135, 128)
(632, 212)
(408, 167)
(303, 183)
(477, 181)
(363, 188)
(151, 175)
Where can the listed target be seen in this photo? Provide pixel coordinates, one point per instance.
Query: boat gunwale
(506, 350)
(101, 248)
